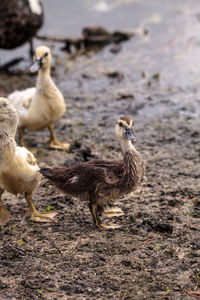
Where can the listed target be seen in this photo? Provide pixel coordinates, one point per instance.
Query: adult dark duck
(19, 22)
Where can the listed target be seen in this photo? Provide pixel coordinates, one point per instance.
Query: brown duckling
(18, 167)
(98, 181)
(19, 22)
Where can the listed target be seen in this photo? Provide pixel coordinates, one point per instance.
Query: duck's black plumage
(19, 22)
(98, 181)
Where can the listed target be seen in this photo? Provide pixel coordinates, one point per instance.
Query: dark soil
(156, 253)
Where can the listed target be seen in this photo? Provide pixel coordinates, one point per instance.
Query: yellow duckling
(42, 106)
(18, 167)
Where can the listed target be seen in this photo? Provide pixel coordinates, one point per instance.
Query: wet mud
(156, 253)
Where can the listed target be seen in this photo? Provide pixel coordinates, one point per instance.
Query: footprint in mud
(158, 225)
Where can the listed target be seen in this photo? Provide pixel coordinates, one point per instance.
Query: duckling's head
(124, 130)
(8, 117)
(42, 59)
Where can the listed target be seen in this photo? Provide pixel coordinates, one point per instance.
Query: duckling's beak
(128, 134)
(36, 65)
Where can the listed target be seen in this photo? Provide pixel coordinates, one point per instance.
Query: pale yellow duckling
(18, 167)
(42, 106)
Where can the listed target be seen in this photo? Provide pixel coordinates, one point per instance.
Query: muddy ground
(156, 253)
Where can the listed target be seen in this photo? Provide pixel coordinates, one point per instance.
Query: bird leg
(54, 143)
(113, 212)
(93, 208)
(38, 216)
(4, 213)
(31, 51)
(22, 143)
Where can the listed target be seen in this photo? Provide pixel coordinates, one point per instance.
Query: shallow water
(171, 48)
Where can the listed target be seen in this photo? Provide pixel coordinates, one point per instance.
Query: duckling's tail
(46, 172)
(55, 175)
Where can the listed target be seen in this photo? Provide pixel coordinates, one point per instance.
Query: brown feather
(127, 120)
(99, 178)
(98, 181)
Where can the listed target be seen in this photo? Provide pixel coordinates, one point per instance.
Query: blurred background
(158, 66)
(171, 45)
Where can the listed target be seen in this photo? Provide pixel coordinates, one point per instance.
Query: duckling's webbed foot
(38, 216)
(110, 226)
(4, 213)
(43, 216)
(59, 145)
(94, 209)
(113, 212)
(54, 143)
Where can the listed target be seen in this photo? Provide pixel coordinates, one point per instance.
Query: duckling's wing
(22, 100)
(95, 171)
(79, 178)
(112, 168)
(105, 163)
(26, 157)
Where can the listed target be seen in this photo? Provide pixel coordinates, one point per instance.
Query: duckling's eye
(46, 54)
(121, 124)
(4, 104)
